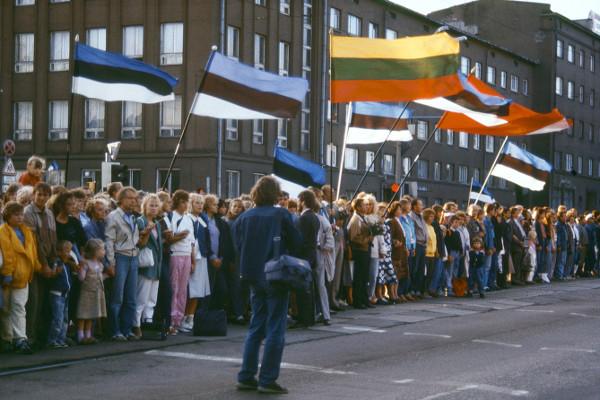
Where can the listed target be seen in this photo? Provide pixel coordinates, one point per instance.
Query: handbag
(290, 272)
(146, 258)
(209, 322)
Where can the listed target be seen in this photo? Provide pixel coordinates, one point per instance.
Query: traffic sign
(9, 148)
(9, 168)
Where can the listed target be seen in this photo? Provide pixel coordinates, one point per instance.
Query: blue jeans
(476, 276)
(451, 269)
(436, 275)
(486, 269)
(122, 299)
(59, 308)
(269, 322)
(491, 280)
(561, 261)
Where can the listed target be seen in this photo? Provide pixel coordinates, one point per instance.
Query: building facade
(289, 37)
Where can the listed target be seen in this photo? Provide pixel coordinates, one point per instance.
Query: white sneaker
(187, 325)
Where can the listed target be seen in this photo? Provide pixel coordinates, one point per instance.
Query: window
(503, 79)
(570, 90)
(24, 51)
(260, 51)
(525, 87)
(131, 120)
(570, 129)
(96, 37)
(478, 69)
(171, 43)
(489, 144)
(581, 94)
(282, 132)
(94, 119)
(233, 184)
(559, 49)
(89, 176)
(476, 142)
(568, 162)
(133, 41)
(463, 140)
(406, 163)
(304, 141)
(581, 129)
(592, 97)
(258, 131)
(24, 2)
(351, 159)
(437, 171)
(354, 25)
(463, 174)
(333, 111)
(231, 129)
(391, 34)
(450, 137)
(590, 171)
(284, 58)
(579, 165)
(449, 172)
(559, 86)
(58, 120)
(581, 59)
(514, 83)
(135, 178)
(170, 117)
(260, 2)
(172, 183)
(422, 130)
(232, 49)
(590, 133)
(369, 161)
(438, 136)
(335, 18)
(491, 75)
(475, 174)
(502, 183)
(373, 30)
(331, 156)
(257, 176)
(23, 120)
(571, 54)
(465, 65)
(592, 63)
(422, 169)
(284, 7)
(388, 164)
(59, 1)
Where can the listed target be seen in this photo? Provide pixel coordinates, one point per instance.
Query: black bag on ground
(291, 272)
(305, 301)
(210, 322)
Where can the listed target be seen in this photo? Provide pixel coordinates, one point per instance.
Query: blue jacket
(490, 234)
(476, 259)
(203, 236)
(253, 233)
(561, 236)
(591, 231)
(61, 282)
(408, 225)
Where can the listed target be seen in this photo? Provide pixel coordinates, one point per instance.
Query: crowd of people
(77, 267)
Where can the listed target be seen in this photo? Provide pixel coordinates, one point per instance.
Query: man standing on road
(253, 234)
(421, 236)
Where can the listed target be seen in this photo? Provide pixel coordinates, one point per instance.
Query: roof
(575, 24)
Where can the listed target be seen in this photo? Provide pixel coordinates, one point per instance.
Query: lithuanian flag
(418, 67)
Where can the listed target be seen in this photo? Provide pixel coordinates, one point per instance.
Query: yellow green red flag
(417, 67)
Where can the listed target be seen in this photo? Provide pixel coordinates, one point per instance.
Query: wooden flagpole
(343, 158)
(489, 174)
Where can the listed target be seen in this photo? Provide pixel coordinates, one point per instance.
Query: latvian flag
(418, 67)
(371, 123)
(485, 197)
(236, 91)
(113, 77)
(522, 168)
(293, 168)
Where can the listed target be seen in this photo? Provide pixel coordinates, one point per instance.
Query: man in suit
(562, 246)
(518, 246)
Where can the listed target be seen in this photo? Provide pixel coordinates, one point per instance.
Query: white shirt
(180, 223)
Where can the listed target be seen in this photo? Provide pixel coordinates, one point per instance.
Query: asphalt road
(540, 342)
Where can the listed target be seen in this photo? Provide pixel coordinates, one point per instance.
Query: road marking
(363, 329)
(574, 349)
(427, 334)
(457, 390)
(497, 343)
(203, 357)
(403, 381)
(584, 315)
(486, 388)
(539, 311)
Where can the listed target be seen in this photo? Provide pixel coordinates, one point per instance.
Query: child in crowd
(19, 251)
(60, 287)
(92, 304)
(476, 266)
(35, 170)
(530, 261)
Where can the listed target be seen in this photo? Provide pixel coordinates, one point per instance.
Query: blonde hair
(147, 199)
(91, 247)
(195, 197)
(25, 194)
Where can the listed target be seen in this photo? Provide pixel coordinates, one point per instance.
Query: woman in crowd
(360, 239)
(386, 279)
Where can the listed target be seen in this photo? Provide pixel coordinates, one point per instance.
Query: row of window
(171, 46)
(284, 5)
(490, 77)
(355, 25)
(559, 90)
(564, 162)
(351, 160)
(581, 59)
(582, 130)
(32, 2)
(421, 131)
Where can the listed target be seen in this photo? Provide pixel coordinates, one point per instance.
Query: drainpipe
(220, 122)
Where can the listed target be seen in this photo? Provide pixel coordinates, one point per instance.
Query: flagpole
(71, 106)
(189, 115)
(343, 158)
(469, 194)
(412, 165)
(362, 179)
(491, 169)
(330, 200)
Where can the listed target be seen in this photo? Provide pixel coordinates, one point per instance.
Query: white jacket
(179, 223)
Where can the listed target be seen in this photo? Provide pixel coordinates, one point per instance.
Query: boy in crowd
(60, 287)
(476, 267)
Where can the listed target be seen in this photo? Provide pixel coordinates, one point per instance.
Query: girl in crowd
(377, 246)
(91, 303)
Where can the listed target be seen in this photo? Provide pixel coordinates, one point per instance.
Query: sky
(572, 9)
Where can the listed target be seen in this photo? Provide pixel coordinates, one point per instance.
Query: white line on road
(574, 349)
(539, 311)
(403, 381)
(497, 343)
(487, 388)
(427, 334)
(457, 390)
(203, 357)
(584, 315)
(363, 329)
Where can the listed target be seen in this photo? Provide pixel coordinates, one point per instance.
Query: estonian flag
(233, 90)
(371, 123)
(522, 168)
(113, 77)
(293, 168)
(486, 195)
